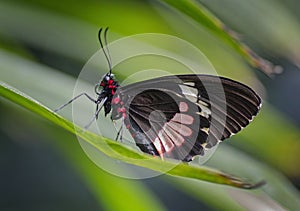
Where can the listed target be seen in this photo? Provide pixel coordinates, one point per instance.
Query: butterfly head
(107, 86)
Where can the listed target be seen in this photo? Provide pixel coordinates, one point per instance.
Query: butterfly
(176, 116)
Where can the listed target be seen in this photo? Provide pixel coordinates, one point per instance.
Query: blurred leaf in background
(44, 45)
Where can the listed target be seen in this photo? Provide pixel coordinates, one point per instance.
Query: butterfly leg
(97, 113)
(95, 116)
(120, 133)
(75, 98)
(122, 129)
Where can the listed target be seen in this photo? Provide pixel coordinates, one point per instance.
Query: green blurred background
(43, 46)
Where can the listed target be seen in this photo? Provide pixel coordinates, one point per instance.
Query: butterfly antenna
(106, 54)
(107, 50)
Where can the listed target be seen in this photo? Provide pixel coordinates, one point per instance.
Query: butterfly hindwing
(169, 122)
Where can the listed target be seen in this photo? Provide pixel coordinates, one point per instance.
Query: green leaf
(121, 152)
(278, 187)
(272, 134)
(200, 14)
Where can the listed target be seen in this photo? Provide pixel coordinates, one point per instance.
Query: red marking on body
(112, 86)
(128, 126)
(116, 100)
(124, 115)
(121, 110)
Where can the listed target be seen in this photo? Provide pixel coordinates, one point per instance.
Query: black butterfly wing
(178, 116)
(169, 122)
(232, 104)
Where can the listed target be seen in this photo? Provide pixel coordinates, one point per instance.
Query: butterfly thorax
(108, 87)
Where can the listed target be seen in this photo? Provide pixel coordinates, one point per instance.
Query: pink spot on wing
(183, 119)
(159, 147)
(177, 139)
(180, 128)
(116, 100)
(183, 107)
(166, 141)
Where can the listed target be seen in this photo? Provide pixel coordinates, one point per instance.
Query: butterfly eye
(98, 88)
(107, 78)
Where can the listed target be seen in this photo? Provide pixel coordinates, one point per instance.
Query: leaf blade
(200, 14)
